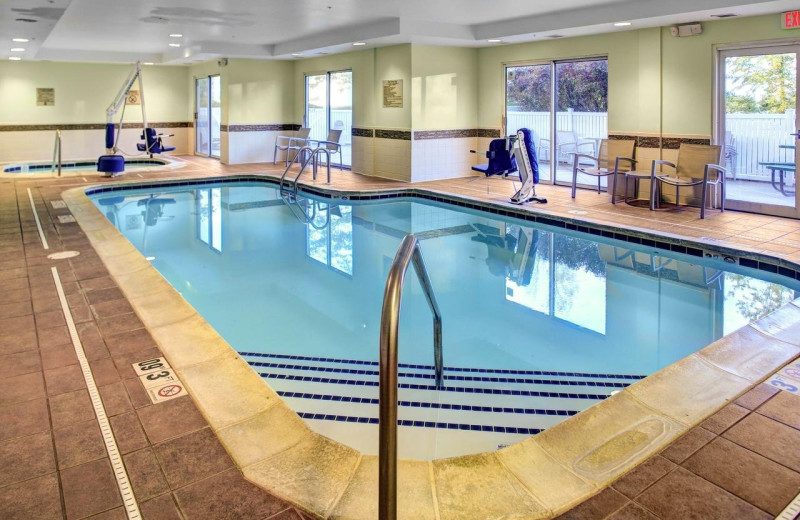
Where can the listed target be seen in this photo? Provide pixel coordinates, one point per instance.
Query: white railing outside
(587, 125)
(757, 138)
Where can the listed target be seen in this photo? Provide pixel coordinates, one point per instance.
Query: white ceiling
(126, 30)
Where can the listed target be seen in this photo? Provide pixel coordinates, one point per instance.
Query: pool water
(538, 323)
(77, 166)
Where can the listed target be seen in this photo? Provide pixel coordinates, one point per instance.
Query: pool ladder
(57, 153)
(309, 155)
(408, 252)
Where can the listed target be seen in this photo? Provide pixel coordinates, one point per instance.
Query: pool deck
(185, 457)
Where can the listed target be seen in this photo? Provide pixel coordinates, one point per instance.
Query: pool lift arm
(112, 163)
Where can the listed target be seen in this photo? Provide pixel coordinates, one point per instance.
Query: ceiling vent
(26, 20)
(555, 35)
(726, 15)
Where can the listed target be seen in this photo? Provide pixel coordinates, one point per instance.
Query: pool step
(504, 401)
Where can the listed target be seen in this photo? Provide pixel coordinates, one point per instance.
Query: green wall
(83, 91)
(444, 88)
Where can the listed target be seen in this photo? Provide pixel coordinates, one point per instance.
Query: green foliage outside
(755, 298)
(760, 84)
(582, 86)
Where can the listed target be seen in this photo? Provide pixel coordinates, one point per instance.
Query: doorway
(565, 105)
(329, 106)
(757, 127)
(207, 116)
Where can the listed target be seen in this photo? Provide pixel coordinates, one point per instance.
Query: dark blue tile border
(757, 261)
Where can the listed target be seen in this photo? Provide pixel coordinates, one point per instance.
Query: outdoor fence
(751, 139)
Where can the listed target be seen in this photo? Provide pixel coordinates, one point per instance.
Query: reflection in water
(209, 217)
(329, 236)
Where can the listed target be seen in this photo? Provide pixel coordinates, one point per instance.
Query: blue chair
(152, 142)
(501, 162)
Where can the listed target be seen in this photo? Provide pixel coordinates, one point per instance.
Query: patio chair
(692, 160)
(291, 143)
(730, 153)
(607, 162)
(331, 143)
(568, 143)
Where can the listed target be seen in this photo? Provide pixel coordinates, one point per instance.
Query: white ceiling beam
(593, 15)
(344, 35)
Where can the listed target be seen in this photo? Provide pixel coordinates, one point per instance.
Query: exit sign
(790, 19)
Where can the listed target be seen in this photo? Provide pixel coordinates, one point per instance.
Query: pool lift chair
(528, 169)
(113, 164)
(501, 161)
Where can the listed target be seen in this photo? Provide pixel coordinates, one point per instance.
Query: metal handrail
(57, 153)
(390, 319)
(312, 156)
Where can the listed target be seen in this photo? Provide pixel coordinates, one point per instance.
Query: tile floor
(741, 463)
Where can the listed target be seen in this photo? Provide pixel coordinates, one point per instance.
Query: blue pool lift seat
(152, 142)
(501, 161)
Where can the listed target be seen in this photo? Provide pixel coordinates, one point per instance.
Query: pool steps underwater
(500, 401)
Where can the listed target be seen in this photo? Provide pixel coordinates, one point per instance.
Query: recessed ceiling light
(359, 44)
(17, 49)
(20, 40)
(494, 40)
(622, 24)
(174, 44)
(147, 63)
(297, 55)
(176, 35)
(14, 58)
(321, 53)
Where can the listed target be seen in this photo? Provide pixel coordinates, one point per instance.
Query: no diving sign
(158, 379)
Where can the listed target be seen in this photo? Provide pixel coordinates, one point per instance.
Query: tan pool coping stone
(539, 477)
(171, 163)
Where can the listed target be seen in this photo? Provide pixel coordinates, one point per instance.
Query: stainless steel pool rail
(57, 153)
(310, 156)
(387, 375)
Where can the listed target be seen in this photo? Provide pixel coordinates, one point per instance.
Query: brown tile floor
(741, 463)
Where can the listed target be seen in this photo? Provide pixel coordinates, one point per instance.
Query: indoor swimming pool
(539, 323)
(73, 166)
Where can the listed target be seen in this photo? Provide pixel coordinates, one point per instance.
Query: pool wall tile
(554, 485)
(227, 390)
(313, 474)
(749, 353)
(264, 435)
(480, 486)
(414, 492)
(688, 390)
(608, 439)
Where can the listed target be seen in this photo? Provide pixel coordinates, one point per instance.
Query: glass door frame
(553, 106)
(328, 73)
(209, 83)
(722, 52)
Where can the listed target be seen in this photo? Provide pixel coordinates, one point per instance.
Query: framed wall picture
(45, 97)
(393, 93)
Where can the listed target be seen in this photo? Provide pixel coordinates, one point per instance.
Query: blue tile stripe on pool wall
(755, 261)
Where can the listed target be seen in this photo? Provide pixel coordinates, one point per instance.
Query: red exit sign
(790, 19)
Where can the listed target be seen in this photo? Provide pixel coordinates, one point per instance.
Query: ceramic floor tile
(724, 419)
(38, 499)
(64, 379)
(227, 496)
(643, 476)
(769, 438)
(682, 495)
(145, 474)
(26, 387)
(598, 507)
(128, 432)
(784, 407)
(19, 363)
(169, 419)
(89, 489)
(756, 479)
(23, 458)
(632, 512)
(160, 508)
(79, 443)
(115, 399)
(58, 356)
(192, 457)
(22, 419)
(66, 409)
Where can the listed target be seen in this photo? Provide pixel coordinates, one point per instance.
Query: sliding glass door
(208, 105)
(757, 128)
(565, 105)
(329, 106)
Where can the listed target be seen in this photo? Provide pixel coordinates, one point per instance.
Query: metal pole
(58, 140)
(387, 375)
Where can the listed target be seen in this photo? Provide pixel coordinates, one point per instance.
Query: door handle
(796, 135)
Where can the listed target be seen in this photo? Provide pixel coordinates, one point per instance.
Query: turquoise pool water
(538, 323)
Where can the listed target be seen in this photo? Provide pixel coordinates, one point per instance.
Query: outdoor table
(782, 169)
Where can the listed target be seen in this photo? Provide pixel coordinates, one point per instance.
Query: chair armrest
(488, 154)
(661, 162)
(721, 171)
(334, 143)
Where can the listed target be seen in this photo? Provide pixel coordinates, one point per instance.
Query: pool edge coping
(580, 470)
